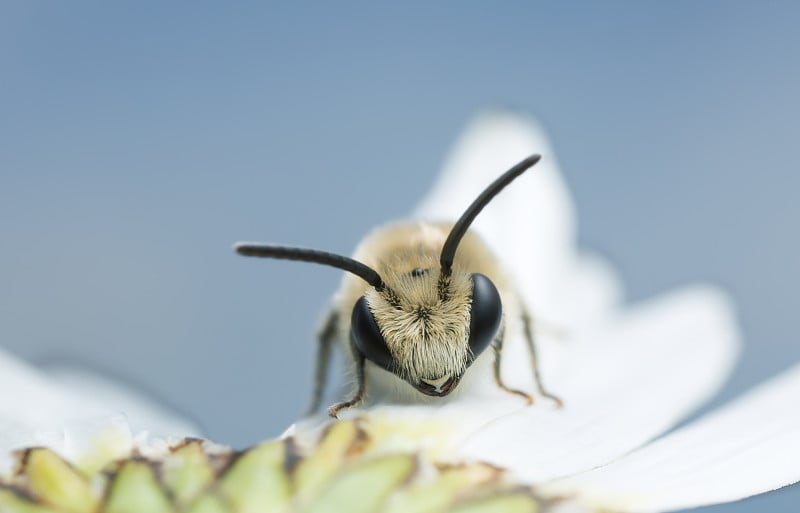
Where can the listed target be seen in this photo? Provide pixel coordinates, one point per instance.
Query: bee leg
(528, 322)
(325, 340)
(498, 351)
(334, 410)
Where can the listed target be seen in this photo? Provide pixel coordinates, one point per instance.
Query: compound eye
(485, 315)
(367, 336)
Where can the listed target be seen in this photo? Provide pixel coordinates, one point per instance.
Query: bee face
(428, 328)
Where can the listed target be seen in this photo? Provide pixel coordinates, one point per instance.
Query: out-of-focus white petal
(655, 364)
(530, 225)
(748, 447)
(68, 416)
(143, 413)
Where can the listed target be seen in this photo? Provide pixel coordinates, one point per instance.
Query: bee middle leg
(325, 339)
(361, 387)
(498, 353)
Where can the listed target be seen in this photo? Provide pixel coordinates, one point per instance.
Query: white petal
(530, 225)
(621, 389)
(749, 447)
(142, 413)
(65, 416)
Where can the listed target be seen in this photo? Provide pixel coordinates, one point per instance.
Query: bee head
(425, 325)
(425, 334)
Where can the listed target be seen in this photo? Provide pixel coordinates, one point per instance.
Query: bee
(422, 302)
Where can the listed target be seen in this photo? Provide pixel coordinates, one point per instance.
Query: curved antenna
(461, 226)
(311, 255)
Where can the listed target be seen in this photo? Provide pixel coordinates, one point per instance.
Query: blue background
(139, 141)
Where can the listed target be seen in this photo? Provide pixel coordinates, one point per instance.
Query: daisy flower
(627, 374)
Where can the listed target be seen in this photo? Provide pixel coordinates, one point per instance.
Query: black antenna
(312, 255)
(461, 226)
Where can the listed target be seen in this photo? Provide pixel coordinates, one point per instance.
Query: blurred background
(138, 142)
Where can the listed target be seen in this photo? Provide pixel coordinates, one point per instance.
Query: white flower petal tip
(531, 225)
(491, 144)
(748, 447)
(624, 387)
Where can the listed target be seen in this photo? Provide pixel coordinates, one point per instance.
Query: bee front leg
(528, 323)
(325, 339)
(498, 353)
(361, 387)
